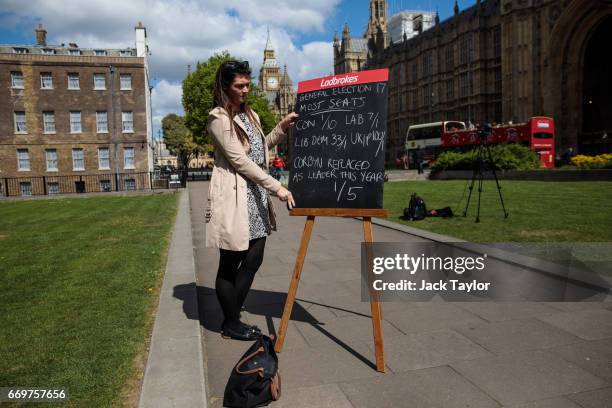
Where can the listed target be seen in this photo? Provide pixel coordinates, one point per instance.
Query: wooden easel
(311, 213)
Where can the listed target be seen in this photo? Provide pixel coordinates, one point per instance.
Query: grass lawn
(539, 211)
(79, 280)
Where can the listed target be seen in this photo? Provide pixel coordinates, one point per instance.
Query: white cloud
(166, 98)
(182, 32)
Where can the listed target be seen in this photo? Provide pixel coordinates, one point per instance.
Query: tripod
(482, 153)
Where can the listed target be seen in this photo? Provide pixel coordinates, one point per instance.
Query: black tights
(235, 276)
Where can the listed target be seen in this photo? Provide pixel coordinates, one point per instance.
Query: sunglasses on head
(241, 65)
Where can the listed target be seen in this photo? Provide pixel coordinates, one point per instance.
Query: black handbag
(255, 380)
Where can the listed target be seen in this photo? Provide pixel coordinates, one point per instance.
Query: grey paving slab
(590, 324)
(557, 402)
(430, 349)
(527, 376)
(578, 306)
(344, 329)
(517, 335)
(429, 316)
(352, 305)
(594, 356)
(219, 370)
(500, 311)
(320, 396)
(594, 399)
(439, 387)
(326, 365)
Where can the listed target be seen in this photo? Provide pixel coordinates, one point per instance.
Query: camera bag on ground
(445, 212)
(416, 209)
(255, 380)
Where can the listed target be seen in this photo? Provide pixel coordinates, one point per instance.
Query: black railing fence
(98, 183)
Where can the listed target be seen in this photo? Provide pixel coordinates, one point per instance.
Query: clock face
(272, 82)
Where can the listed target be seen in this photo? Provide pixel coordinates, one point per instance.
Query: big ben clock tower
(269, 74)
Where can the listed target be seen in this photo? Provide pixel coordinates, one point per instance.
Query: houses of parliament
(496, 61)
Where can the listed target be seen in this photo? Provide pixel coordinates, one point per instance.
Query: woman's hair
(224, 78)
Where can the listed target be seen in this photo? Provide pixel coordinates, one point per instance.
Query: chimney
(141, 40)
(41, 35)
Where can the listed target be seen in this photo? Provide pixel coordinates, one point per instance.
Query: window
(105, 186)
(427, 63)
(53, 188)
(463, 84)
(20, 122)
(471, 83)
(126, 81)
(127, 122)
(46, 80)
(427, 95)
(75, 52)
(450, 58)
(130, 184)
(78, 161)
(17, 80)
(128, 157)
(20, 50)
(26, 188)
(497, 42)
(100, 52)
(23, 160)
(415, 72)
(49, 122)
(48, 51)
(101, 122)
(73, 81)
(126, 53)
(99, 81)
(75, 121)
(498, 80)
(450, 90)
(103, 158)
(470, 48)
(51, 156)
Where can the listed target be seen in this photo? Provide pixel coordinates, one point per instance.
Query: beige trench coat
(227, 215)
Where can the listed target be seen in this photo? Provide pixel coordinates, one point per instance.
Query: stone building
(506, 60)
(278, 89)
(74, 119)
(352, 53)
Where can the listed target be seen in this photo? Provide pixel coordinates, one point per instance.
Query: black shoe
(239, 332)
(253, 327)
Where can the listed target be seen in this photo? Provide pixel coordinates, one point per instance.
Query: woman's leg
(246, 272)
(225, 284)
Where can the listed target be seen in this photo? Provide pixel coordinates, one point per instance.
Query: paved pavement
(437, 354)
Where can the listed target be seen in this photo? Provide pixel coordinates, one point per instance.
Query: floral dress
(257, 196)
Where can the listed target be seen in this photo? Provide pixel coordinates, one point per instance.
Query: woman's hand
(285, 195)
(288, 121)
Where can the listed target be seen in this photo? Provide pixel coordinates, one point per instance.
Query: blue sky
(182, 32)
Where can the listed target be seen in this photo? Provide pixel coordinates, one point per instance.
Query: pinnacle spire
(268, 42)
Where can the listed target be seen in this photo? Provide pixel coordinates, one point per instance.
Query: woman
(240, 215)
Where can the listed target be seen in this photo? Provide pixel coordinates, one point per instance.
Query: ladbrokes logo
(335, 81)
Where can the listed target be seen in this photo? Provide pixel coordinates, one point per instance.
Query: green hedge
(510, 156)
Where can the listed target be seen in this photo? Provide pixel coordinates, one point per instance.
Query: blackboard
(339, 140)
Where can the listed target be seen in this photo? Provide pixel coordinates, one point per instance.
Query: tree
(198, 99)
(179, 140)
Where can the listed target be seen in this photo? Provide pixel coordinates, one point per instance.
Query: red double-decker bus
(538, 133)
